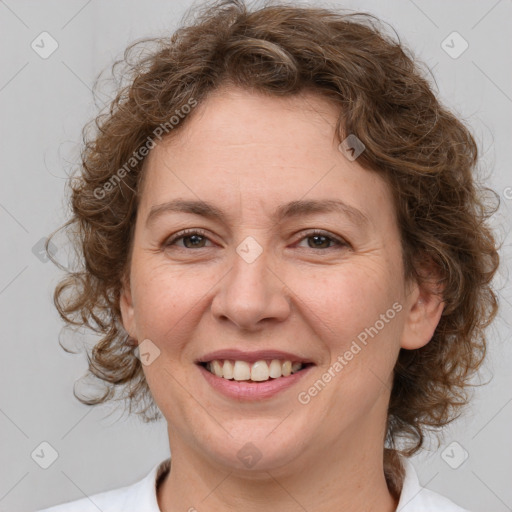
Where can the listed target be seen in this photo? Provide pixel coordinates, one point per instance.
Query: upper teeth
(258, 371)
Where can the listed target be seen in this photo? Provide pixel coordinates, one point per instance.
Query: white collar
(415, 498)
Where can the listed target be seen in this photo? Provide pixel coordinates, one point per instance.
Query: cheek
(360, 346)
(160, 299)
(344, 302)
(344, 310)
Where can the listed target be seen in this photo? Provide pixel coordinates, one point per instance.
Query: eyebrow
(285, 211)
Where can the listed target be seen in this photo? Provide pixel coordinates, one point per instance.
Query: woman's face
(252, 276)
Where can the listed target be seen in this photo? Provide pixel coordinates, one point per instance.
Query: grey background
(44, 104)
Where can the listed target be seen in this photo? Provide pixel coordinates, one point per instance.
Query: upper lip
(251, 357)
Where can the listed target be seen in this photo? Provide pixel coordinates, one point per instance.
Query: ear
(424, 308)
(127, 309)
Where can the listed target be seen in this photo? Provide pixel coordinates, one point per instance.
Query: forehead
(236, 118)
(242, 147)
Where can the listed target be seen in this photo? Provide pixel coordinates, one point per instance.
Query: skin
(246, 154)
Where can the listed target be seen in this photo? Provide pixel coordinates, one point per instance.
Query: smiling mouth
(259, 371)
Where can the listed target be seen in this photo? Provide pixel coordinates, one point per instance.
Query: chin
(253, 448)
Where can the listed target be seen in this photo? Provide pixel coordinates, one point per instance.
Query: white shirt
(142, 496)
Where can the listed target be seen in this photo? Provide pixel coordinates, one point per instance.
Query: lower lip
(252, 390)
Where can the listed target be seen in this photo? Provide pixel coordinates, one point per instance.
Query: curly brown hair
(423, 151)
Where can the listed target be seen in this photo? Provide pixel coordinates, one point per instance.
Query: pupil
(317, 237)
(194, 239)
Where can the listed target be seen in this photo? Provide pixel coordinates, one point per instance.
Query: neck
(345, 478)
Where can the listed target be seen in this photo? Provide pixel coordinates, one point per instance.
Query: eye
(195, 238)
(323, 240)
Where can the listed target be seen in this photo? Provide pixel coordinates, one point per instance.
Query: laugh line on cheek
(305, 397)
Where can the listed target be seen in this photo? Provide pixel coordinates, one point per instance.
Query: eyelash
(315, 232)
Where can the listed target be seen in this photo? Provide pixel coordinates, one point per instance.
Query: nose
(251, 294)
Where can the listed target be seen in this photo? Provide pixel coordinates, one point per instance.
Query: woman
(287, 257)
